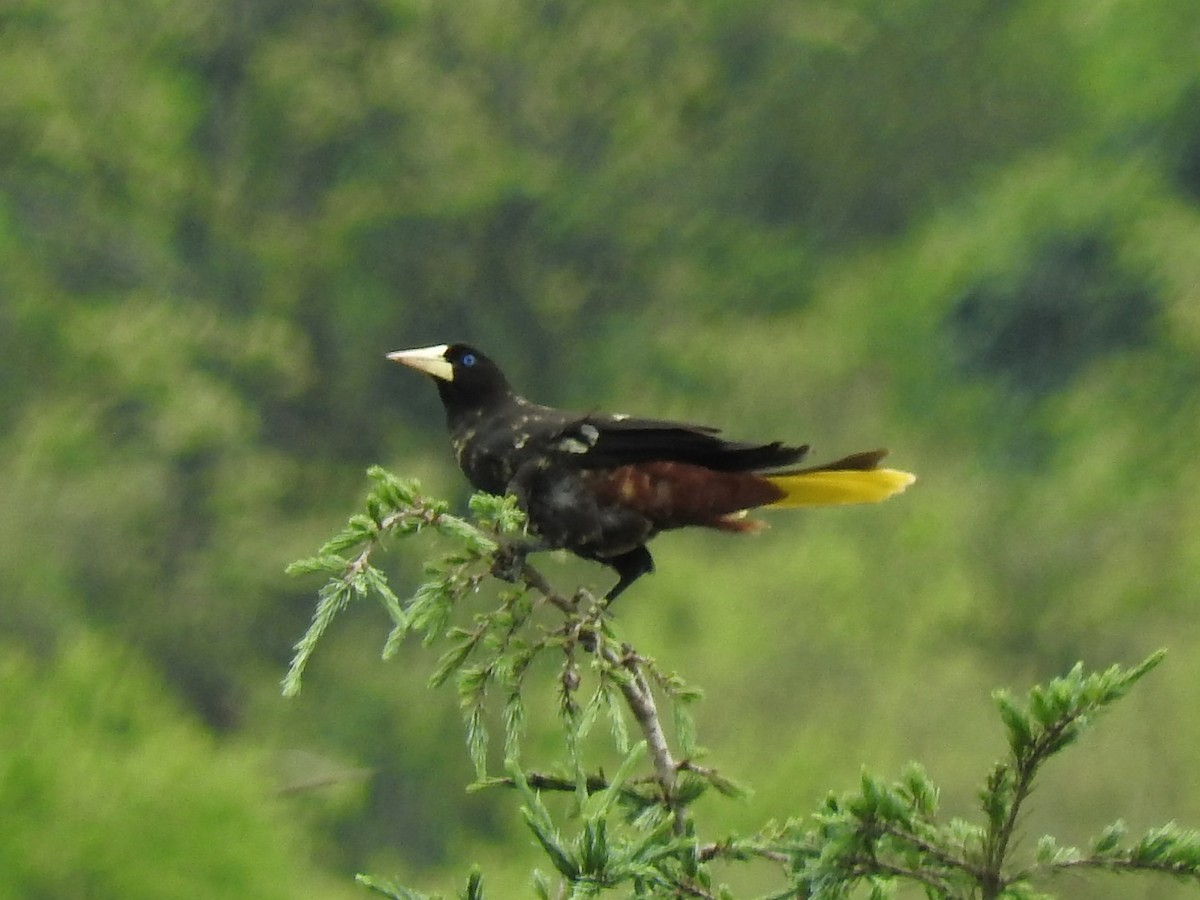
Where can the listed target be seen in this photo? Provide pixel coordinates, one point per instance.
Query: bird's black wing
(597, 441)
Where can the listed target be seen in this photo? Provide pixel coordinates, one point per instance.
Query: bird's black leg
(509, 558)
(630, 566)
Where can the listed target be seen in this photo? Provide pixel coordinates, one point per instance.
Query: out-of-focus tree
(110, 790)
(815, 220)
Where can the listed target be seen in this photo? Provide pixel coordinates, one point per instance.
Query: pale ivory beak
(430, 360)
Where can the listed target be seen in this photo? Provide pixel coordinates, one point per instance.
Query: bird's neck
(465, 410)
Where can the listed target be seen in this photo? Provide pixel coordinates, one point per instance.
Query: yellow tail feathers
(824, 487)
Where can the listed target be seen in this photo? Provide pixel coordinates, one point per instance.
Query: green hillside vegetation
(968, 231)
(110, 790)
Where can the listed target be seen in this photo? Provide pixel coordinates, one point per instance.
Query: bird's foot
(508, 561)
(630, 566)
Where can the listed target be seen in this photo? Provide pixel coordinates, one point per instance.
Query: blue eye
(468, 359)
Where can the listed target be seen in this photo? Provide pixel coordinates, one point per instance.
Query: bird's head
(465, 378)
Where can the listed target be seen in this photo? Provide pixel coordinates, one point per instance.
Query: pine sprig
(886, 834)
(395, 891)
(1054, 718)
(599, 857)
(394, 508)
(490, 654)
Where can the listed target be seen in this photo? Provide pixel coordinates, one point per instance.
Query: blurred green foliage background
(966, 229)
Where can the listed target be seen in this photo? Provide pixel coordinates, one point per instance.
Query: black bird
(602, 486)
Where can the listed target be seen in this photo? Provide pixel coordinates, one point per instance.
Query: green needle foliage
(634, 831)
(474, 890)
(885, 834)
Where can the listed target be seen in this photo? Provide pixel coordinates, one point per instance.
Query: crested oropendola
(602, 486)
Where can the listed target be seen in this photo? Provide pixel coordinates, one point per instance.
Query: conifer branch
(397, 509)
(879, 837)
(634, 687)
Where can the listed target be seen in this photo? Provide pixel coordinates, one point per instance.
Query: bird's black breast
(493, 446)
